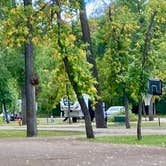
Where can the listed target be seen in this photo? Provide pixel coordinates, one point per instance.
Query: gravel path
(72, 152)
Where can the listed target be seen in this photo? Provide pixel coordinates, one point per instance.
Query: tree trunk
(143, 110)
(99, 114)
(145, 66)
(154, 108)
(150, 110)
(68, 68)
(30, 93)
(126, 103)
(147, 40)
(68, 99)
(5, 111)
(29, 88)
(88, 125)
(23, 105)
(139, 134)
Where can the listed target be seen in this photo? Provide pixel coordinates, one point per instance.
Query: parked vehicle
(113, 110)
(74, 108)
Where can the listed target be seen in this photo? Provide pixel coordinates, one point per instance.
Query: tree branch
(148, 37)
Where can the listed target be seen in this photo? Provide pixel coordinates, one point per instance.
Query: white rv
(73, 109)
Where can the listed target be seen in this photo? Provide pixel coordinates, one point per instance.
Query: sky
(93, 7)
(96, 7)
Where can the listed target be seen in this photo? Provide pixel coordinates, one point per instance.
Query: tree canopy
(128, 42)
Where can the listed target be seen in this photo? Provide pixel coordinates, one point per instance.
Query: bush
(132, 117)
(1, 120)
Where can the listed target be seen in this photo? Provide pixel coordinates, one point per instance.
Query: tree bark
(68, 68)
(88, 125)
(30, 93)
(139, 133)
(23, 105)
(143, 110)
(148, 38)
(5, 111)
(99, 114)
(68, 98)
(150, 110)
(126, 104)
(29, 88)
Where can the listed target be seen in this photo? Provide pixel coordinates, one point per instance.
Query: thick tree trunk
(30, 93)
(23, 105)
(88, 125)
(29, 88)
(68, 68)
(127, 119)
(150, 110)
(139, 134)
(99, 114)
(143, 110)
(68, 98)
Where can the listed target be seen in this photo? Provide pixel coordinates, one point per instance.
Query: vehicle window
(65, 101)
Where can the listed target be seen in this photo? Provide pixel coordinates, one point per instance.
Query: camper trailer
(73, 109)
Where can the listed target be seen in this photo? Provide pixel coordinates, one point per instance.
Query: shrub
(132, 116)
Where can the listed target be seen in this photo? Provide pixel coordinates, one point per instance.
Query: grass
(145, 124)
(156, 140)
(41, 133)
(59, 121)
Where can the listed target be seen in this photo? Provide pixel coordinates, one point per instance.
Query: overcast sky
(95, 7)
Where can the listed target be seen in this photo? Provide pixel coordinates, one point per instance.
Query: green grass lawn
(157, 140)
(41, 133)
(145, 124)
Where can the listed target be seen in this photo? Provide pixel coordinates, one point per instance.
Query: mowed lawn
(41, 133)
(157, 140)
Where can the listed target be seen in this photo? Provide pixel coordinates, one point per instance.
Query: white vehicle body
(113, 110)
(75, 108)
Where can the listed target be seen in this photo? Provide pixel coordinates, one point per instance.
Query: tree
(25, 34)
(144, 50)
(53, 78)
(99, 114)
(15, 36)
(118, 26)
(129, 35)
(69, 68)
(30, 78)
(8, 90)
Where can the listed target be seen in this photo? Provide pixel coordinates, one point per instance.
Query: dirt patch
(72, 152)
